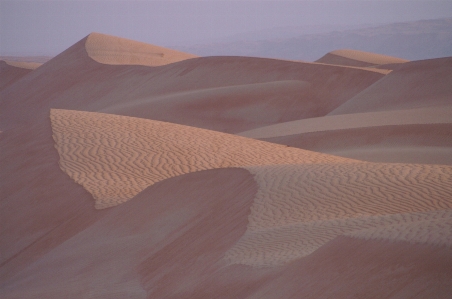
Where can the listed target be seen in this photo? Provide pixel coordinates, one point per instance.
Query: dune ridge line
(435, 115)
(115, 157)
(107, 49)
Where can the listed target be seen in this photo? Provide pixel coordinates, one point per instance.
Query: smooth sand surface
(359, 58)
(72, 80)
(205, 214)
(442, 115)
(115, 157)
(416, 143)
(114, 50)
(415, 84)
(10, 72)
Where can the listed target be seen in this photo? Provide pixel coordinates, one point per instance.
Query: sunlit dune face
(108, 49)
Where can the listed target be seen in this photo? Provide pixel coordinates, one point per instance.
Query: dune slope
(73, 80)
(115, 157)
(11, 72)
(424, 83)
(114, 50)
(358, 58)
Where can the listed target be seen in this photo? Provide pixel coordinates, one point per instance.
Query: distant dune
(11, 71)
(115, 50)
(424, 83)
(135, 171)
(423, 39)
(358, 58)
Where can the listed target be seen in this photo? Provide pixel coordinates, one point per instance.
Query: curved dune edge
(116, 157)
(23, 64)
(366, 68)
(362, 56)
(299, 208)
(107, 49)
(441, 115)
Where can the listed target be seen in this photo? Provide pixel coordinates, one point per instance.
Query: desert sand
(134, 171)
(359, 58)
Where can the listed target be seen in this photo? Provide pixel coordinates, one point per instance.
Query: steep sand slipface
(298, 208)
(116, 157)
(359, 58)
(109, 49)
(435, 115)
(415, 84)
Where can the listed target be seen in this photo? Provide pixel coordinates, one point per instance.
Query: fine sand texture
(121, 176)
(296, 212)
(115, 157)
(357, 58)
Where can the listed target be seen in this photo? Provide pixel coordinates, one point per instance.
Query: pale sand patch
(366, 68)
(116, 157)
(435, 115)
(114, 50)
(24, 64)
(363, 56)
(299, 208)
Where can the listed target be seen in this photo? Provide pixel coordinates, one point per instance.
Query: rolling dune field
(131, 170)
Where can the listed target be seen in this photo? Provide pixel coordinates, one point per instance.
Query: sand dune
(109, 49)
(427, 144)
(442, 115)
(72, 80)
(205, 214)
(24, 64)
(115, 157)
(298, 208)
(11, 71)
(359, 58)
(424, 83)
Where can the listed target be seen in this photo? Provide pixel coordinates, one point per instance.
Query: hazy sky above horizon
(49, 27)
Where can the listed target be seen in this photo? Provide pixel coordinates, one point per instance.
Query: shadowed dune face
(40, 208)
(120, 51)
(421, 116)
(359, 58)
(10, 73)
(72, 80)
(427, 143)
(203, 214)
(425, 83)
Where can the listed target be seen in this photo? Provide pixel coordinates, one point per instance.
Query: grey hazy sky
(49, 27)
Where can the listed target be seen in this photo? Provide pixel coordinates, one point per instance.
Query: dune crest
(358, 58)
(24, 64)
(298, 208)
(116, 157)
(114, 50)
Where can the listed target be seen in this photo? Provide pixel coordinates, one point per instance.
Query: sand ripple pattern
(116, 157)
(299, 208)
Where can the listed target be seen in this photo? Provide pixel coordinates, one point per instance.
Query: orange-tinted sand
(122, 177)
